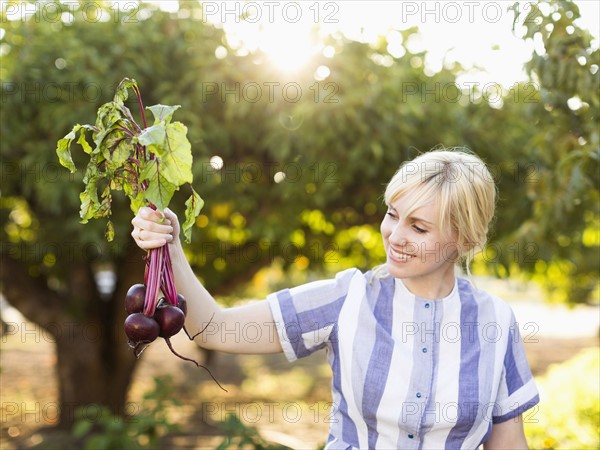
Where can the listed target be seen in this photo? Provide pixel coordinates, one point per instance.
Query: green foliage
(563, 153)
(241, 436)
(334, 147)
(569, 413)
(101, 430)
(149, 164)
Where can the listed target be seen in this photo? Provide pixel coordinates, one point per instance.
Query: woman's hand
(153, 229)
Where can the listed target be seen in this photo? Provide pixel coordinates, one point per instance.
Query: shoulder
(343, 279)
(352, 275)
(490, 305)
(332, 288)
(351, 284)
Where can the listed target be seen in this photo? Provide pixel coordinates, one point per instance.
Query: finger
(171, 216)
(149, 240)
(145, 212)
(149, 235)
(153, 215)
(149, 245)
(143, 224)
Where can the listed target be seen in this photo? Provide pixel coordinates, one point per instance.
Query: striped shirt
(407, 372)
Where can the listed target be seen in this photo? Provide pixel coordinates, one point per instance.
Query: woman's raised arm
(242, 329)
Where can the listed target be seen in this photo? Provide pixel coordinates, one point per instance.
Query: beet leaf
(148, 163)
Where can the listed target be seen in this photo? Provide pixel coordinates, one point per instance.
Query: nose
(397, 236)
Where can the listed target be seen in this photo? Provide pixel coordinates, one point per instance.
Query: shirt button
(418, 395)
(426, 305)
(424, 350)
(410, 436)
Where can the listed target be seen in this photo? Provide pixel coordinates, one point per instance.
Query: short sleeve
(517, 391)
(306, 315)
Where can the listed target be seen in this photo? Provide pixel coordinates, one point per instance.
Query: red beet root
(134, 300)
(182, 303)
(170, 320)
(140, 328)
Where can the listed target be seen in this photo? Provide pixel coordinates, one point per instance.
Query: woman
(420, 357)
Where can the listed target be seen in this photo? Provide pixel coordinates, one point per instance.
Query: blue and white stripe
(408, 372)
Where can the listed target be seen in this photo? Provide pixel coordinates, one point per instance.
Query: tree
(564, 151)
(56, 73)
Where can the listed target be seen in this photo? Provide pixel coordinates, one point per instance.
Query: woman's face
(417, 250)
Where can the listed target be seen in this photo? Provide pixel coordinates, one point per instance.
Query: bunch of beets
(148, 163)
(148, 318)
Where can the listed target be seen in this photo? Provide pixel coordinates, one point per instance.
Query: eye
(390, 214)
(419, 229)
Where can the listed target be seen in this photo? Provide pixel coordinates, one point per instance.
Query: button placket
(427, 306)
(423, 346)
(428, 333)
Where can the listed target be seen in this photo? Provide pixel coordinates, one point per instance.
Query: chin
(395, 271)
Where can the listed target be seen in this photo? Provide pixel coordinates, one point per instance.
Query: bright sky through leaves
(475, 33)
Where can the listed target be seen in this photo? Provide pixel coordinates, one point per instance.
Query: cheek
(385, 229)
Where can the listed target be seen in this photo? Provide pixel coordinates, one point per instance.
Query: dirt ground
(287, 403)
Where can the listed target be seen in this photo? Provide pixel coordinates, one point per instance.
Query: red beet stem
(191, 360)
(168, 279)
(154, 278)
(199, 332)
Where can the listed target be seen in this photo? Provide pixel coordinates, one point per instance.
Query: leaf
(159, 190)
(176, 154)
(110, 231)
(115, 164)
(91, 206)
(130, 186)
(64, 154)
(63, 149)
(119, 153)
(98, 442)
(109, 138)
(91, 171)
(105, 206)
(108, 114)
(154, 135)
(83, 141)
(193, 206)
(137, 199)
(121, 94)
(89, 202)
(515, 9)
(163, 113)
(81, 428)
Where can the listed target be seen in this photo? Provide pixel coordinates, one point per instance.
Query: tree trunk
(92, 369)
(94, 363)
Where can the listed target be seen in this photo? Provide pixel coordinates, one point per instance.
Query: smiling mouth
(400, 256)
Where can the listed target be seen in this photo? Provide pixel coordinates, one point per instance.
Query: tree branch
(30, 295)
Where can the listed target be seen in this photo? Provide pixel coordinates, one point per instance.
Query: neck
(432, 289)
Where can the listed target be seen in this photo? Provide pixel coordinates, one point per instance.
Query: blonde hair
(460, 184)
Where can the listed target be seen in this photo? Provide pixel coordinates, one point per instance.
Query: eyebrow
(413, 218)
(418, 219)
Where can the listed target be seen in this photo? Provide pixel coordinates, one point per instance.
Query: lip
(399, 256)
